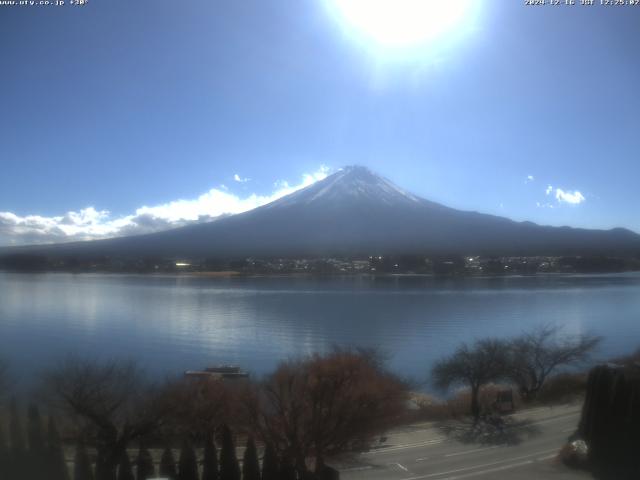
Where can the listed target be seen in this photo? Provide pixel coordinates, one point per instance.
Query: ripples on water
(173, 323)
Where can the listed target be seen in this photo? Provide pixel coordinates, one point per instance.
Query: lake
(174, 323)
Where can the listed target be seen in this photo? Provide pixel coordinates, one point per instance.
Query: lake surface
(174, 323)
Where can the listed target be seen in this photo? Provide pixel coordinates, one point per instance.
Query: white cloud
(574, 198)
(544, 205)
(530, 178)
(240, 179)
(89, 223)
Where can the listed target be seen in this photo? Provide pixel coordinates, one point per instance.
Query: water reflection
(175, 323)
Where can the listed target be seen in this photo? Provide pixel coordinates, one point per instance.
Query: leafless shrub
(326, 404)
(473, 366)
(563, 388)
(535, 355)
(109, 400)
(196, 408)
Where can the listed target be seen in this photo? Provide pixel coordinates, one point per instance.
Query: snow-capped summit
(356, 212)
(353, 183)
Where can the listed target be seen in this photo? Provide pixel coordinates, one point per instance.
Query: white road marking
(472, 451)
(498, 469)
(546, 457)
(522, 415)
(491, 470)
(548, 420)
(356, 469)
(470, 471)
(403, 447)
(473, 467)
(439, 440)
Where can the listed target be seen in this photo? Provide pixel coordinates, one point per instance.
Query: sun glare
(401, 23)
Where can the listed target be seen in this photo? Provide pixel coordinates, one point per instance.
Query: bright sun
(402, 23)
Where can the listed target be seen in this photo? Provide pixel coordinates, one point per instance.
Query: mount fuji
(356, 212)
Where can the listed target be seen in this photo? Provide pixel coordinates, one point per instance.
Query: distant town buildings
(331, 265)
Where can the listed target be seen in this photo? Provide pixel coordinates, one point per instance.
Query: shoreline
(237, 274)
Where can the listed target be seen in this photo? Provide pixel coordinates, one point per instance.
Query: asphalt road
(524, 449)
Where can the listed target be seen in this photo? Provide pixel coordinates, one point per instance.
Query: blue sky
(116, 106)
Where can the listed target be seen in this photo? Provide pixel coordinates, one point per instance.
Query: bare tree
(537, 354)
(473, 366)
(111, 399)
(197, 407)
(324, 405)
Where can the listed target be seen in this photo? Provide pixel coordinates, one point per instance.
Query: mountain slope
(355, 211)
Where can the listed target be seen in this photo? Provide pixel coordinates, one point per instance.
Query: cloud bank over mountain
(91, 224)
(353, 212)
